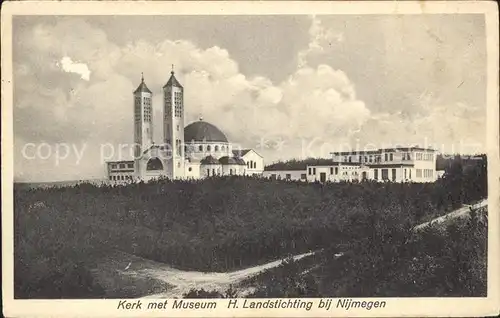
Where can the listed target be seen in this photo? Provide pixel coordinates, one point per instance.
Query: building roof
(209, 160)
(153, 146)
(240, 161)
(203, 131)
(243, 152)
(368, 152)
(408, 149)
(390, 165)
(142, 88)
(333, 163)
(172, 81)
(120, 161)
(226, 160)
(295, 164)
(379, 151)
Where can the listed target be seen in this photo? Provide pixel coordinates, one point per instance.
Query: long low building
(411, 164)
(295, 175)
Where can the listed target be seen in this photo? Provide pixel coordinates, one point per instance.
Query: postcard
(250, 159)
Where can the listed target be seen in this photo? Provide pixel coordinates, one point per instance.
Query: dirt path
(461, 212)
(179, 281)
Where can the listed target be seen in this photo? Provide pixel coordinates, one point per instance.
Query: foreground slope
(212, 225)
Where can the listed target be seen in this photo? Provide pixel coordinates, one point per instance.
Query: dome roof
(209, 160)
(203, 131)
(232, 161)
(227, 160)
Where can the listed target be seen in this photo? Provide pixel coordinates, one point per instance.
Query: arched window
(248, 164)
(209, 148)
(223, 148)
(216, 148)
(254, 164)
(154, 164)
(200, 148)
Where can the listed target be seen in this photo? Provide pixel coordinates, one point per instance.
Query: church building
(195, 151)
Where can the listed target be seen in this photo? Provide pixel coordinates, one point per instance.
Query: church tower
(143, 122)
(173, 125)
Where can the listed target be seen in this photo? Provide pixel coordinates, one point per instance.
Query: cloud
(310, 112)
(411, 78)
(320, 38)
(311, 103)
(81, 69)
(449, 128)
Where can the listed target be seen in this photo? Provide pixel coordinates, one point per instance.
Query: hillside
(217, 225)
(442, 259)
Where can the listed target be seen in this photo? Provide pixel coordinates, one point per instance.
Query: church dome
(203, 131)
(232, 161)
(209, 160)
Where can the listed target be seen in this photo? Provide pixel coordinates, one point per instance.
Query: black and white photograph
(318, 163)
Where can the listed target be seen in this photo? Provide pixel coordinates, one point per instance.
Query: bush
(201, 293)
(286, 281)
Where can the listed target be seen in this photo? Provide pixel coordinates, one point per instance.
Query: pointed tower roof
(172, 80)
(142, 87)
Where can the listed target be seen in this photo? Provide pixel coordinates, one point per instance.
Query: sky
(287, 86)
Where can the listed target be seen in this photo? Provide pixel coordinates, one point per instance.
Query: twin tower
(173, 123)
